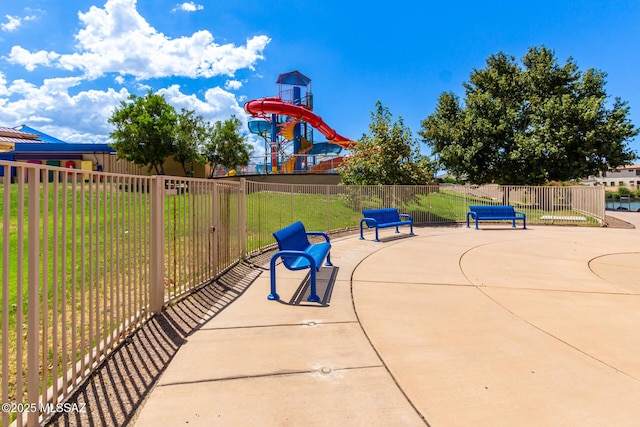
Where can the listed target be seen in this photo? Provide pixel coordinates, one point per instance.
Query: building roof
(17, 134)
(41, 135)
(43, 147)
(27, 141)
(20, 140)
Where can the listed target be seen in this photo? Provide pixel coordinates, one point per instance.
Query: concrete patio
(450, 327)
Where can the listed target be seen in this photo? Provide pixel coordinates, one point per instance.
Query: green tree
(530, 124)
(190, 138)
(387, 155)
(144, 131)
(225, 145)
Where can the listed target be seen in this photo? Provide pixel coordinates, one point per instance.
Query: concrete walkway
(451, 327)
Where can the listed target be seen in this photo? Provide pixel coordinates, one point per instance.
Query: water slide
(276, 106)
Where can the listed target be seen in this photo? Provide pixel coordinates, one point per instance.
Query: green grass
(64, 272)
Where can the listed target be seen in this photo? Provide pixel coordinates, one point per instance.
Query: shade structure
(294, 78)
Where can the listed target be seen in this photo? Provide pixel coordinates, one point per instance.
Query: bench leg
(313, 295)
(273, 296)
(377, 239)
(411, 232)
(328, 263)
(513, 224)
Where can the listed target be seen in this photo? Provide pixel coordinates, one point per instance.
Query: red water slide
(277, 106)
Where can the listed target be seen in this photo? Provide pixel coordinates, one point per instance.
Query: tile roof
(21, 140)
(17, 134)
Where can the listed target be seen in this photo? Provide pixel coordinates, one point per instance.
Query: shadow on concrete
(123, 381)
(325, 281)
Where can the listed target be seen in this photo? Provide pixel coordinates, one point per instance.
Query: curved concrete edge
(434, 329)
(497, 328)
(261, 362)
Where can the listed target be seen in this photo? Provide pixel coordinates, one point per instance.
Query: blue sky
(64, 66)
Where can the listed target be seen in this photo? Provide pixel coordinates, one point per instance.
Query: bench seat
(496, 213)
(384, 218)
(297, 253)
(317, 251)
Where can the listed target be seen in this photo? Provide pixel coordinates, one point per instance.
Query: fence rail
(88, 256)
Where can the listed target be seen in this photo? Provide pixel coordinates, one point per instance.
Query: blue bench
(297, 254)
(496, 213)
(383, 218)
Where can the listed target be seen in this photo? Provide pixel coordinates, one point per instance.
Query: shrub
(624, 191)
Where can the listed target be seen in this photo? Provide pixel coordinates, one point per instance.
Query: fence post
(156, 241)
(33, 322)
(243, 218)
(215, 207)
(328, 193)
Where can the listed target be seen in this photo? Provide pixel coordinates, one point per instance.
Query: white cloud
(117, 42)
(3, 86)
(12, 24)
(117, 39)
(85, 113)
(218, 104)
(232, 84)
(83, 117)
(188, 7)
(30, 60)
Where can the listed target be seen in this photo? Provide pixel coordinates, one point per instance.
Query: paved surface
(451, 327)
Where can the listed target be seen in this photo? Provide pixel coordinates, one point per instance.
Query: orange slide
(275, 105)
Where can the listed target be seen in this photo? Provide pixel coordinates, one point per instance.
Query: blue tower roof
(294, 78)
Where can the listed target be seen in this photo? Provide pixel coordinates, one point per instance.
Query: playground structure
(286, 123)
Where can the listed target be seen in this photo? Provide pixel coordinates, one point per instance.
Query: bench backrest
(292, 237)
(493, 210)
(382, 216)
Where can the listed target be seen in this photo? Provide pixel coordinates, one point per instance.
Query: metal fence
(334, 208)
(88, 256)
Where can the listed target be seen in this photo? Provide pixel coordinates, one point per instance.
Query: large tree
(387, 155)
(226, 146)
(530, 123)
(190, 137)
(144, 130)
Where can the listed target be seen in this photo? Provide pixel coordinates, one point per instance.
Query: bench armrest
(406, 216)
(318, 233)
(290, 252)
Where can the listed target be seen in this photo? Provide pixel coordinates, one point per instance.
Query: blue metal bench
(297, 254)
(496, 213)
(383, 218)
